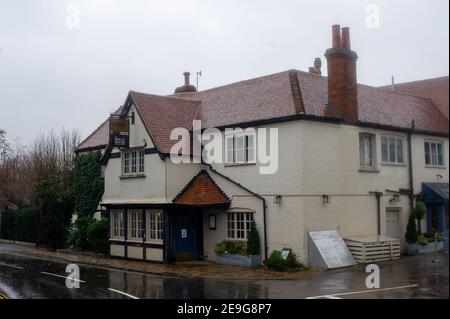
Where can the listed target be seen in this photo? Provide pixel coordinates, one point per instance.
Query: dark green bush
(278, 263)
(253, 242)
(419, 212)
(97, 234)
(54, 197)
(231, 247)
(19, 225)
(79, 233)
(411, 230)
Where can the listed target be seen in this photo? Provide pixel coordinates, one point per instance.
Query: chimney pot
(186, 77)
(336, 33)
(346, 38)
(187, 87)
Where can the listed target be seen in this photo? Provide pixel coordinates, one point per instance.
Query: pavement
(25, 276)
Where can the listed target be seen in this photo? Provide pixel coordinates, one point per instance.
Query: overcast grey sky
(54, 74)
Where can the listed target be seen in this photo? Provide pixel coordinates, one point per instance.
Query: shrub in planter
(422, 240)
(419, 212)
(253, 243)
(231, 247)
(97, 234)
(411, 230)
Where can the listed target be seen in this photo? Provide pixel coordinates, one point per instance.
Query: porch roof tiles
(202, 190)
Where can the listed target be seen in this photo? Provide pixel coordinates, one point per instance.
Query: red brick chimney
(342, 84)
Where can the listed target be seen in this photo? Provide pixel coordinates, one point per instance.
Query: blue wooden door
(185, 234)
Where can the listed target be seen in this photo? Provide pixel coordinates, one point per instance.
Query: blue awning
(435, 192)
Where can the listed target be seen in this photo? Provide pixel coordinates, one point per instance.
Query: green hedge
(19, 225)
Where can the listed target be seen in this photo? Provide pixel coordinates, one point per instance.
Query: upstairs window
(434, 153)
(367, 151)
(133, 162)
(240, 149)
(392, 150)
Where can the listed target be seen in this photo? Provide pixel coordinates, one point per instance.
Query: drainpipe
(410, 162)
(378, 197)
(254, 194)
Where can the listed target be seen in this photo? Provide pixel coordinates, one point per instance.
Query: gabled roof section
(202, 190)
(162, 114)
(436, 89)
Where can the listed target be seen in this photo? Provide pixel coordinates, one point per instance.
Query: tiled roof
(275, 96)
(161, 114)
(436, 89)
(201, 190)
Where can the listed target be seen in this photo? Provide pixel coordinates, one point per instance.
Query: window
(132, 118)
(392, 150)
(239, 225)
(117, 224)
(434, 153)
(133, 162)
(154, 225)
(367, 150)
(136, 224)
(240, 149)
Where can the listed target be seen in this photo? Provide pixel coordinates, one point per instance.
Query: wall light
(277, 199)
(326, 199)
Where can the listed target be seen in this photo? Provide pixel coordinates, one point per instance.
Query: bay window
(154, 225)
(135, 224)
(117, 224)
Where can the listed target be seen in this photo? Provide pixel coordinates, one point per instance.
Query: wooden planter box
(238, 260)
(416, 249)
(370, 249)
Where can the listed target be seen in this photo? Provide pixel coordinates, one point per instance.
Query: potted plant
(418, 243)
(240, 253)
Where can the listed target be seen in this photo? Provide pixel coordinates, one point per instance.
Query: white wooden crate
(373, 248)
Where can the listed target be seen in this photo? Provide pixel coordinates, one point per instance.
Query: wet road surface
(411, 277)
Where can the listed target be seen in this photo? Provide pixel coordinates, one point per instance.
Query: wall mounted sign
(212, 222)
(119, 131)
(285, 253)
(184, 233)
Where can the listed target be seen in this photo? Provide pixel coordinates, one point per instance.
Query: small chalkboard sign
(285, 253)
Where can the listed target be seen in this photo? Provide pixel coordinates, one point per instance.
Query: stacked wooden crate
(373, 248)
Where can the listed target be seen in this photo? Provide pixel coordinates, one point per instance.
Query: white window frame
(155, 226)
(245, 153)
(117, 224)
(362, 151)
(395, 139)
(239, 225)
(436, 153)
(137, 224)
(133, 162)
